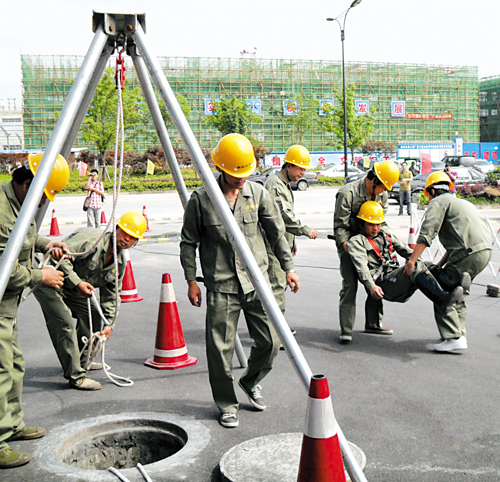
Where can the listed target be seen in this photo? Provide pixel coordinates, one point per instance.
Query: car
(338, 171)
(455, 161)
(302, 184)
(465, 175)
(484, 166)
(354, 177)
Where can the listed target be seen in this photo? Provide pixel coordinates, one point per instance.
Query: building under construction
(407, 102)
(489, 109)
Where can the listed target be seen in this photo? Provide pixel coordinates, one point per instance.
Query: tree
(99, 125)
(231, 115)
(359, 127)
(383, 147)
(304, 119)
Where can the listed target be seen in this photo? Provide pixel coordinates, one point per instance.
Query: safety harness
(388, 262)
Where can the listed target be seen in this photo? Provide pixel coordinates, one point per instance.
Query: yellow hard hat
(436, 178)
(58, 178)
(371, 212)
(298, 156)
(133, 223)
(387, 172)
(234, 155)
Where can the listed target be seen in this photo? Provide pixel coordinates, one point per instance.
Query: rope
(140, 468)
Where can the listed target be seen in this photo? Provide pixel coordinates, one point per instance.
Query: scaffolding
(489, 109)
(441, 102)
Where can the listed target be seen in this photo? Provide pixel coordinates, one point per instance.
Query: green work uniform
(283, 195)
(60, 307)
(23, 275)
(396, 285)
(229, 289)
(466, 237)
(349, 199)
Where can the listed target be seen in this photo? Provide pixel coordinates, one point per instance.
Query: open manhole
(123, 444)
(161, 442)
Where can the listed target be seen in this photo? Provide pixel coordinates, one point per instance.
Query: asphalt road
(419, 416)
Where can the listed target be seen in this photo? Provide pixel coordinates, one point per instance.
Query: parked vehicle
(338, 171)
(354, 177)
(465, 175)
(455, 161)
(302, 184)
(484, 166)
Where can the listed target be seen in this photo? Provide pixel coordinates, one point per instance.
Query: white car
(484, 166)
(338, 171)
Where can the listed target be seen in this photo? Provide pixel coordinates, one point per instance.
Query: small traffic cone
(54, 227)
(103, 218)
(320, 458)
(129, 290)
(146, 216)
(412, 242)
(170, 347)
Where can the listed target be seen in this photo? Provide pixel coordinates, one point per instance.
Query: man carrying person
(82, 275)
(467, 240)
(297, 160)
(24, 274)
(373, 253)
(349, 199)
(229, 289)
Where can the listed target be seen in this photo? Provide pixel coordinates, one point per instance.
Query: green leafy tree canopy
(359, 127)
(304, 119)
(99, 125)
(231, 115)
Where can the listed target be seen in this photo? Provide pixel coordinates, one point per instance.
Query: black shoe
(378, 330)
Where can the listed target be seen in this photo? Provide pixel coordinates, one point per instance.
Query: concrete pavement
(419, 416)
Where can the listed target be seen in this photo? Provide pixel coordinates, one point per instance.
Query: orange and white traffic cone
(412, 242)
(320, 458)
(146, 216)
(54, 226)
(103, 218)
(170, 347)
(129, 290)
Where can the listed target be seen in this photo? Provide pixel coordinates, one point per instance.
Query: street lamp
(342, 36)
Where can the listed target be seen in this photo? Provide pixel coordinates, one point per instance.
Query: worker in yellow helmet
(297, 160)
(229, 289)
(82, 276)
(465, 235)
(349, 199)
(24, 274)
(373, 254)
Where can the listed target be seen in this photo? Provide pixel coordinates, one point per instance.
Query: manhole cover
(164, 443)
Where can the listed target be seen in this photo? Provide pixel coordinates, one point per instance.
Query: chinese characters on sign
(255, 105)
(429, 116)
(323, 109)
(398, 108)
(321, 161)
(276, 161)
(209, 106)
(362, 107)
(290, 107)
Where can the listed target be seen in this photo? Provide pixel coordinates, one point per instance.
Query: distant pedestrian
(95, 195)
(413, 169)
(405, 179)
(453, 177)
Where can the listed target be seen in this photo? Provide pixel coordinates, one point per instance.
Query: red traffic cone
(320, 458)
(54, 227)
(129, 290)
(103, 218)
(412, 242)
(170, 347)
(146, 216)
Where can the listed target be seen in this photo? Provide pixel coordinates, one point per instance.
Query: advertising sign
(362, 107)
(290, 107)
(209, 106)
(327, 102)
(398, 108)
(255, 105)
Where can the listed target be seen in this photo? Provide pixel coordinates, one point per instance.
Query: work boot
(449, 282)
(85, 383)
(10, 459)
(28, 433)
(430, 287)
(98, 366)
(378, 330)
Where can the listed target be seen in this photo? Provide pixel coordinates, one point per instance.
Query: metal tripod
(127, 31)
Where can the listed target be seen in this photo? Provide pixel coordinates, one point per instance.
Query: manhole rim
(198, 437)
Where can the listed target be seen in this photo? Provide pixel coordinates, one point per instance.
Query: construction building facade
(489, 109)
(407, 102)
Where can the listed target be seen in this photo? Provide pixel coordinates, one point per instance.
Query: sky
(436, 32)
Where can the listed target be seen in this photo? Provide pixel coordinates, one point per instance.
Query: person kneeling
(373, 253)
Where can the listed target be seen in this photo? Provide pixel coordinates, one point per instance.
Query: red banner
(429, 116)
